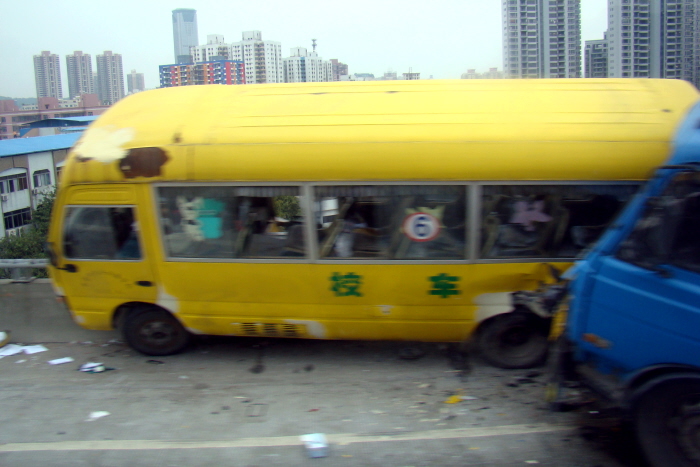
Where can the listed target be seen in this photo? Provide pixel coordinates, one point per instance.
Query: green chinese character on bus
(444, 285)
(345, 285)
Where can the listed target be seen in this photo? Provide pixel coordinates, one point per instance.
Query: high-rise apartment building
(306, 67)
(185, 33)
(654, 39)
(135, 82)
(47, 74)
(215, 49)
(339, 69)
(542, 38)
(595, 59)
(79, 66)
(262, 59)
(110, 76)
(209, 72)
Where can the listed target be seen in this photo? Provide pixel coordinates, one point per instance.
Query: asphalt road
(245, 402)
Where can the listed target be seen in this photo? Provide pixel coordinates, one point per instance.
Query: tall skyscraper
(79, 66)
(262, 59)
(654, 39)
(135, 82)
(595, 55)
(542, 38)
(110, 77)
(184, 33)
(47, 74)
(306, 67)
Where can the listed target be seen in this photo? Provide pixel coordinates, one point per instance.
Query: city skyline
(441, 40)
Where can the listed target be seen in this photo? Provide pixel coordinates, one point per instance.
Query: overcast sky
(438, 38)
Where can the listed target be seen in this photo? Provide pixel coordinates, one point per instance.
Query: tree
(287, 207)
(30, 243)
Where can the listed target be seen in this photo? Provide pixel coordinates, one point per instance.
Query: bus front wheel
(513, 340)
(153, 331)
(667, 422)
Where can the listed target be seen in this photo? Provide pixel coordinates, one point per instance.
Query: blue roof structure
(18, 146)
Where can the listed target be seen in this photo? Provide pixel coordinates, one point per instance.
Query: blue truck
(632, 307)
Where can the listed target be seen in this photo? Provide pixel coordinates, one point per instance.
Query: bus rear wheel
(513, 340)
(667, 423)
(152, 331)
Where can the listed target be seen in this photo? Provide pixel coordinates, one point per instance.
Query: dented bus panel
(375, 210)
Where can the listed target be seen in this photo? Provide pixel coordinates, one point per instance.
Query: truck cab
(633, 325)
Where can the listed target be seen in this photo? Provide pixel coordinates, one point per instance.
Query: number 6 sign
(421, 226)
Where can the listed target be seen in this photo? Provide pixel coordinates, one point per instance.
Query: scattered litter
(10, 349)
(114, 341)
(378, 412)
(93, 367)
(469, 398)
(96, 415)
(425, 385)
(532, 462)
(87, 343)
(314, 410)
(20, 361)
(345, 455)
(316, 445)
(593, 411)
(59, 361)
(453, 400)
(474, 449)
(30, 349)
(155, 362)
(309, 367)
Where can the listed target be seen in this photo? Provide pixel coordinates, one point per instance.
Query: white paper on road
(10, 349)
(96, 415)
(30, 349)
(58, 361)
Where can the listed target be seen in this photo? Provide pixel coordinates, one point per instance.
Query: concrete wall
(32, 314)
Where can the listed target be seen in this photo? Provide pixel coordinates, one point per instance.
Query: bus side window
(547, 221)
(394, 222)
(231, 222)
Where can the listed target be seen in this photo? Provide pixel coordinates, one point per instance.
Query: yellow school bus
(387, 210)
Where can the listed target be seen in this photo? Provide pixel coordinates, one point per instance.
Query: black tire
(152, 331)
(513, 340)
(666, 421)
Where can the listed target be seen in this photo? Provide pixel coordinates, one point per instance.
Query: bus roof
(548, 129)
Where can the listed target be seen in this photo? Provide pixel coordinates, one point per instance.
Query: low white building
(29, 168)
(306, 67)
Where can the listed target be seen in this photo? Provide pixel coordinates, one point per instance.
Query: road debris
(316, 445)
(60, 361)
(95, 415)
(93, 367)
(155, 362)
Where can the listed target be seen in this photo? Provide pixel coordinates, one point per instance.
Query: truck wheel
(667, 423)
(513, 340)
(152, 331)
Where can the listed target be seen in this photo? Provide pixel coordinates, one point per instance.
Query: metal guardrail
(21, 269)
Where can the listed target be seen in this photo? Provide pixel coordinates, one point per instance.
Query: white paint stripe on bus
(279, 441)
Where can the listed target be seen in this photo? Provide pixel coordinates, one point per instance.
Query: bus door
(104, 260)
(645, 303)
